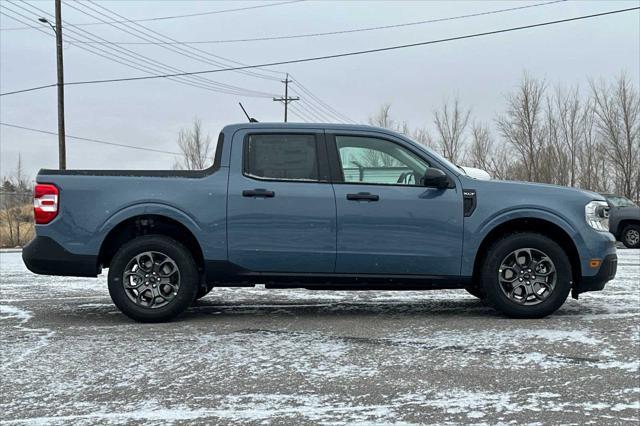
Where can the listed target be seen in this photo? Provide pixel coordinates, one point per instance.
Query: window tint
(372, 160)
(285, 157)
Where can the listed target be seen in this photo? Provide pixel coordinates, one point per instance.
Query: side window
(378, 161)
(282, 157)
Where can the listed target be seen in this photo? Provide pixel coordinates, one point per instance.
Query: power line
(121, 145)
(302, 117)
(322, 103)
(134, 60)
(161, 18)
(141, 62)
(155, 35)
(337, 55)
(319, 115)
(352, 30)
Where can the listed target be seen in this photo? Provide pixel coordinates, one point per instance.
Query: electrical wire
(121, 145)
(162, 18)
(354, 30)
(337, 55)
(149, 34)
(321, 103)
(136, 60)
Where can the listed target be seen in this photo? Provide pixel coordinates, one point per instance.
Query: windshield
(618, 201)
(444, 160)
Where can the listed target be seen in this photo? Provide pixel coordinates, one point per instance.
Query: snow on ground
(251, 355)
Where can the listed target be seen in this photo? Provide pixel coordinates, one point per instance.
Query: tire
(172, 293)
(631, 236)
(476, 292)
(530, 294)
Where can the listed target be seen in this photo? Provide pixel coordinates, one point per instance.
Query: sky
(415, 81)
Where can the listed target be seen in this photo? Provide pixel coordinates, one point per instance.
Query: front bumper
(45, 256)
(596, 282)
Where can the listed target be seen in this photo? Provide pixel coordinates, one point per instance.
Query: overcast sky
(415, 80)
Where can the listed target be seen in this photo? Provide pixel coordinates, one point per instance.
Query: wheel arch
(149, 224)
(532, 225)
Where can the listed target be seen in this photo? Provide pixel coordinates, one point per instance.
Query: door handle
(363, 196)
(258, 192)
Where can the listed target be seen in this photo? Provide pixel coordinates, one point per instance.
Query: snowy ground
(67, 356)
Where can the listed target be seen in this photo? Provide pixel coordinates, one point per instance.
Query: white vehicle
(475, 173)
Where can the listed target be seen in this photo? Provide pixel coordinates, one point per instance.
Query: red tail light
(45, 203)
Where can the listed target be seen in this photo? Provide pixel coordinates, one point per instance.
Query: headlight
(596, 213)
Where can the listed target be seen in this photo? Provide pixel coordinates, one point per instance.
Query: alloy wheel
(527, 276)
(151, 279)
(632, 237)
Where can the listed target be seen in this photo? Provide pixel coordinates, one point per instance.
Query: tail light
(45, 203)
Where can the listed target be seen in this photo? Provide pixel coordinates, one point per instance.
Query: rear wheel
(631, 236)
(153, 278)
(526, 275)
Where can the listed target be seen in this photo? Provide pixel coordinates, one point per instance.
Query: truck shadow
(288, 308)
(212, 310)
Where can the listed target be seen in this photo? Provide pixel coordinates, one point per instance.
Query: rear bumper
(44, 256)
(596, 282)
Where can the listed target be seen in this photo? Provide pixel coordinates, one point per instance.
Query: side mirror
(435, 178)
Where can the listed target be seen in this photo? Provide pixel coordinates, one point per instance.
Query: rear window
(282, 157)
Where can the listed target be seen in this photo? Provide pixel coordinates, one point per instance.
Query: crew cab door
(281, 207)
(388, 223)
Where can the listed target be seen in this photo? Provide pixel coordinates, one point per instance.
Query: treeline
(16, 210)
(587, 138)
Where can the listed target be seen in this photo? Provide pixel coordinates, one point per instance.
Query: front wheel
(526, 275)
(631, 236)
(153, 278)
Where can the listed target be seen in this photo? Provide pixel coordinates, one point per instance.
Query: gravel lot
(296, 356)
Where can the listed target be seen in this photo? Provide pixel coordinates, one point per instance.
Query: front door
(281, 207)
(388, 223)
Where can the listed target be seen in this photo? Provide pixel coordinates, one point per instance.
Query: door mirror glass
(435, 178)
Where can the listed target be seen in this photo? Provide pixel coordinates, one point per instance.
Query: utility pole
(286, 100)
(62, 151)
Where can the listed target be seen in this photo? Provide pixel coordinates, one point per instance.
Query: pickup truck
(325, 207)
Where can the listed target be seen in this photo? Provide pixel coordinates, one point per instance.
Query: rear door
(388, 223)
(281, 207)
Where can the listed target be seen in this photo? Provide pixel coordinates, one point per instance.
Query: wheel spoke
(519, 293)
(508, 274)
(523, 258)
(540, 290)
(145, 261)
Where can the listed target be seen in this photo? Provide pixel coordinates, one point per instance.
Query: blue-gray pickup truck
(326, 207)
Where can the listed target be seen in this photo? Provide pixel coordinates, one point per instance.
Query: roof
(281, 125)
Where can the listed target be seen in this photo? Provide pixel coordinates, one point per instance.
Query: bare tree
(522, 126)
(195, 147)
(570, 122)
(617, 111)
(383, 117)
(451, 123)
(15, 213)
(481, 149)
(588, 151)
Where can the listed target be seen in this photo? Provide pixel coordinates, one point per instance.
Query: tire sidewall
(624, 236)
(189, 278)
(496, 254)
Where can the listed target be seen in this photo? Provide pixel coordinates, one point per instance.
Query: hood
(535, 191)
